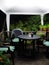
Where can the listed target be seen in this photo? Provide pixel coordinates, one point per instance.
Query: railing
(26, 32)
(7, 34)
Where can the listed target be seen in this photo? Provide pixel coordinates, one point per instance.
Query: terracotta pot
(0, 58)
(47, 29)
(43, 29)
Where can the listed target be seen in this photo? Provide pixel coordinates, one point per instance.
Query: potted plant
(43, 27)
(4, 60)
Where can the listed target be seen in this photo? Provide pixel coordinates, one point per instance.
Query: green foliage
(40, 33)
(44, 26)
(30, 24)
(4, 60)
(12, 26)
(46, 18)
(40, 26)
(47, 25)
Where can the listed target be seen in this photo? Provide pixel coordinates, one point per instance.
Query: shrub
(4, 60)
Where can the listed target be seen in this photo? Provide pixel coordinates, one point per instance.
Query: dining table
(26, 37)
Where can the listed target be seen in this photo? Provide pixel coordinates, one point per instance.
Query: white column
(42, 15)
(8, 23)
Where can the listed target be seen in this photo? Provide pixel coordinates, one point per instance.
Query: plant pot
(47, 29)
(43, 29)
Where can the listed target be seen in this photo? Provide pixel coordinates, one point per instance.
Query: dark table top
(27, 37)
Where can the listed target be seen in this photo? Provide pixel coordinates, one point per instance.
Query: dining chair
(46, 44)
(14, 38)
(39, 42)
(6, 48)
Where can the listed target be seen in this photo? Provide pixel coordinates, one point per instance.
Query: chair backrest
(16, 32)
(47, 36)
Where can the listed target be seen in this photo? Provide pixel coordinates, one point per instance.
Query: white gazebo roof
(34, 10)
(32, 6)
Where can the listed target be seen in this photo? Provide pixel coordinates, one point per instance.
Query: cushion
(6, 49)
(15, 40)
(46, 43)
(3, 49)
(12, 48)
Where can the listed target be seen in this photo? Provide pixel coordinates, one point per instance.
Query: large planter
(43, 27)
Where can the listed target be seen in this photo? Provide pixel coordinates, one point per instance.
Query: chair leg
(47, 52)
(12, 57)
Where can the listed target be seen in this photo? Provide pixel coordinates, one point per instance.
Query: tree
(25, 22)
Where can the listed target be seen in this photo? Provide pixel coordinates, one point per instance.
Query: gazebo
(10, 11)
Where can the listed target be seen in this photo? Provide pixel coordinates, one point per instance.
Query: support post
(42, 15)
(8, 23)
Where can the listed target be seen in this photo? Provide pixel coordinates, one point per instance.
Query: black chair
(6, 48)
(15, 40)
(39, 42)
(46, 44)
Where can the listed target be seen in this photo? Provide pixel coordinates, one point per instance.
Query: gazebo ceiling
(34, 10)
(25, 6)
(15, 10)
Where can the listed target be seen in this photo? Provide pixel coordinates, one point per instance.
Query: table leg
(21, 47)
(25, 44)
(33, 44)
(38, 47)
